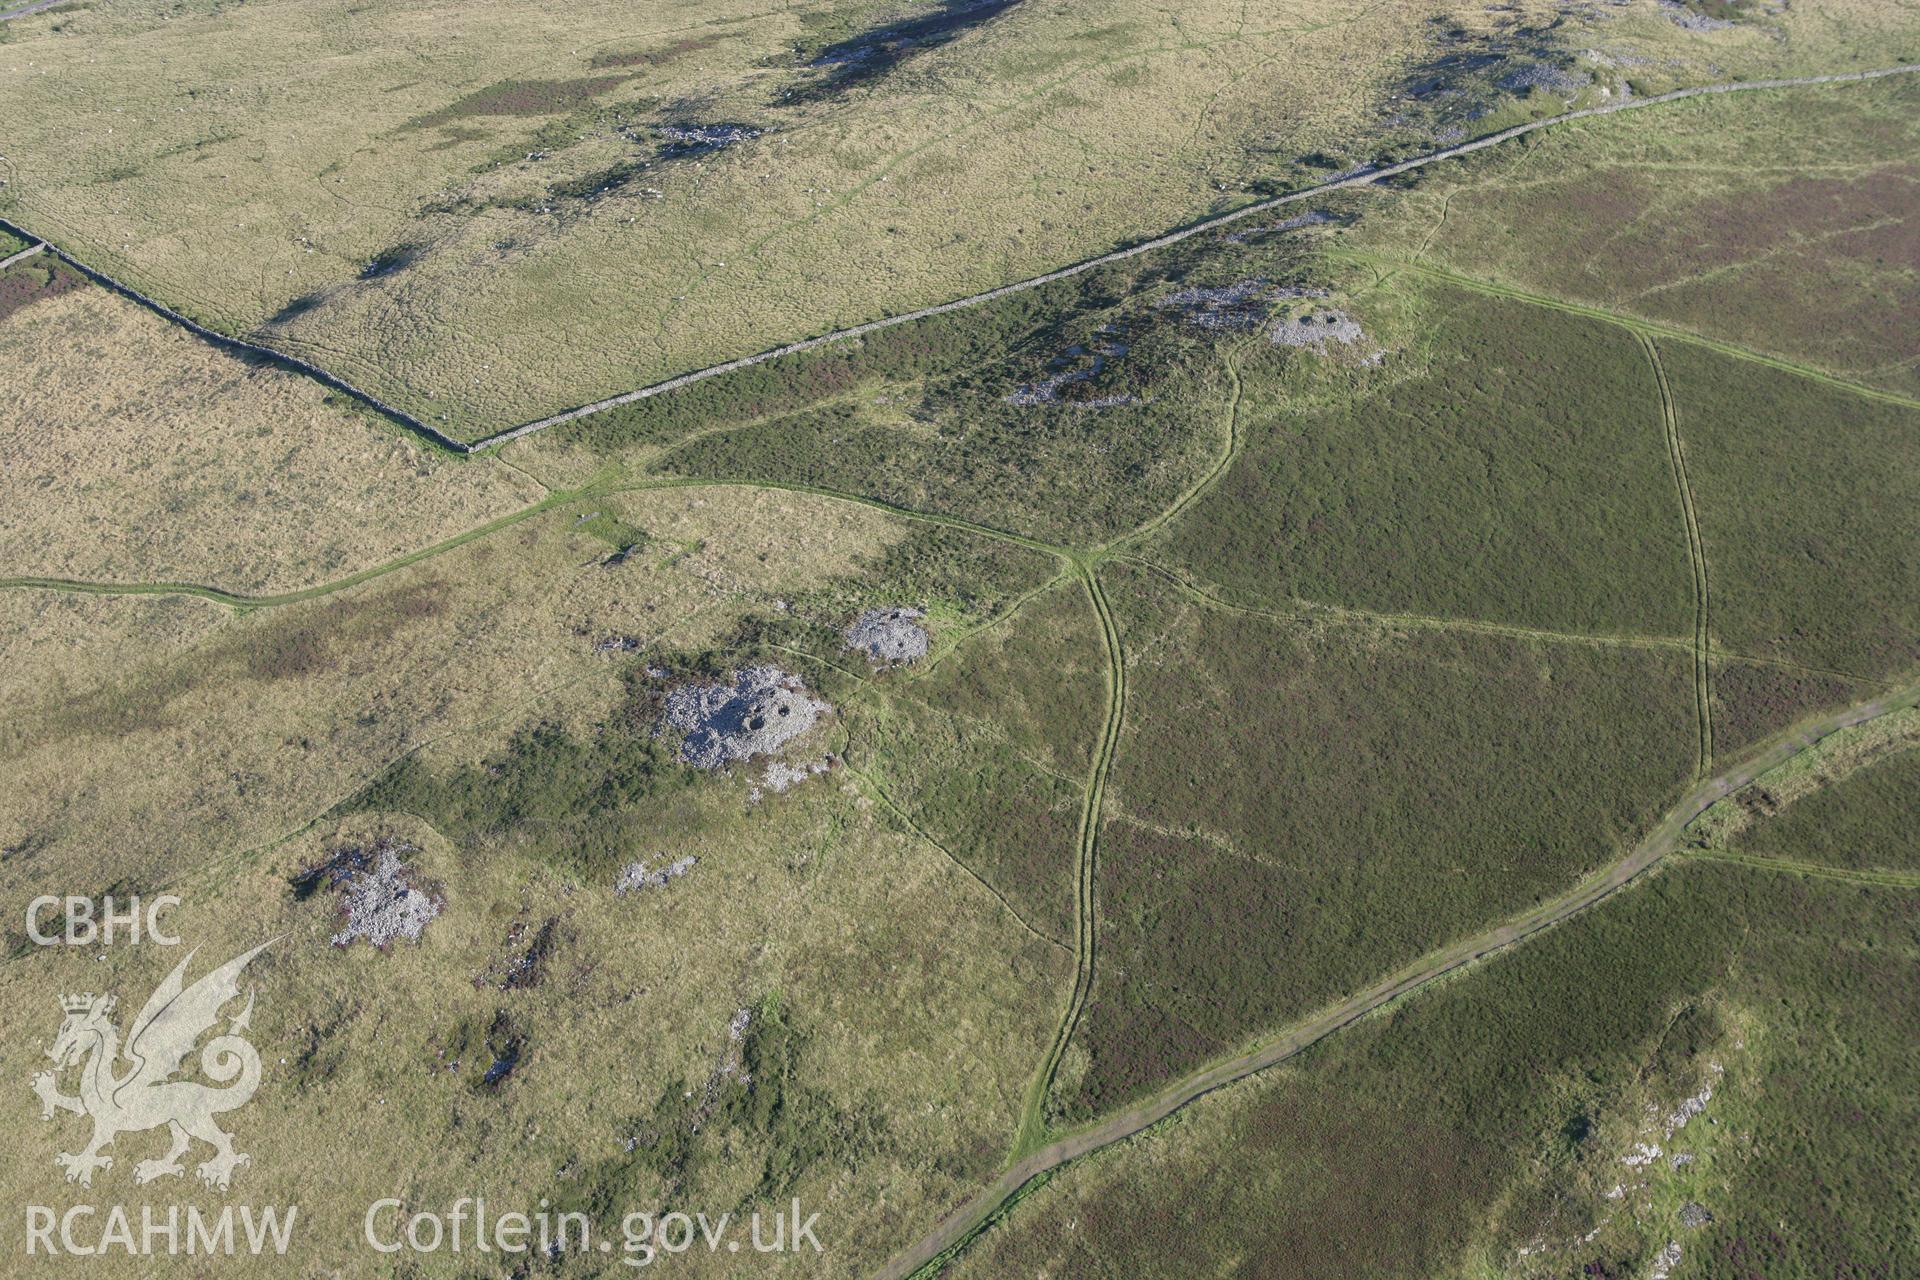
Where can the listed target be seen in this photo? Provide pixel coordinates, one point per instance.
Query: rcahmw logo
(129, 1086)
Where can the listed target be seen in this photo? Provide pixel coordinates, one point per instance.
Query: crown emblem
(82, 1003)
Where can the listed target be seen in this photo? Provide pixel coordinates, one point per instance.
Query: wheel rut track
(1696, 557)
(1032, 1127)
(942, 1244)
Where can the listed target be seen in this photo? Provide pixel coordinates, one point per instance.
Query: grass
(292, 709)
(1393, 651)
(138, 452)
(987, 752)
(489, 135)
(1792, 233)
(1491, 1114)
(1752, 701)
(461, 705)
(1502, 464)
(1296, 809)
(812, 916)
(1838, 805)
(1800, 492)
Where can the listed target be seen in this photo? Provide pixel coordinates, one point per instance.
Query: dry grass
(55, 645)
(165, 760)
(186, 768)
(136, 452)
(310, 142)
(810, 899)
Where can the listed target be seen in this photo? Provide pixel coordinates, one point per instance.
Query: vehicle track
(1696, 557)
(1319, 611)
(945, 1241)
(1033, 1116)
(1884, 876)
(554, 499)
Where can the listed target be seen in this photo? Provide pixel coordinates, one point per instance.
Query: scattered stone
(379, 899)
(635, 878)
(616, 644)
(755, 712)
(1048, 390)
(1691, 1107)
(1237, 307)
(525, 964)
(781, 776)
(698, 139)
(1311, 218)
(1694, 1216)
(1687, 18)
(1542, 75)
(1665, 1261)
(888, 637)
(1643, 1153)
(1316, 328)
(1680, 1159)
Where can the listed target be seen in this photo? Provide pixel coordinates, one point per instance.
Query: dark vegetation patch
(1839, 248)
(1803, 242)
(582, 804)
(589, 187)
(758, 1110)
(1296, 812)
(983, 352)
(388, 262)
(863, 58)
(1804, 494)
(609, 59)
(1751, 701)
(39, 277)
(1520, 477)
(1865, 820)
(522, 98)
(309, 642)
(293, 643)
(1070, 477)
(482, 1052)
(1484, 1115)
(933, 430)
(529, 951)
(294, 308)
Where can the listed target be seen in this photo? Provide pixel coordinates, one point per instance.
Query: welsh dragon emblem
(143, 1096)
